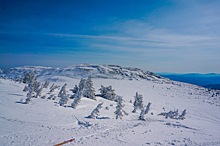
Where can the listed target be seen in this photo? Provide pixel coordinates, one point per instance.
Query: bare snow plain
(43, 123)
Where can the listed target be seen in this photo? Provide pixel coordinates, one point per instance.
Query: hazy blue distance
(206, 80)
(159, 36)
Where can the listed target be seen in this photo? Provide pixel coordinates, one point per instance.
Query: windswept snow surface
(43, 123)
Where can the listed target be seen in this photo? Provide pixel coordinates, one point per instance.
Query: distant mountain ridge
(210, 80)
(84, 70)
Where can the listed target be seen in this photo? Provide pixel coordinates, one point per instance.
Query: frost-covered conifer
(52, 88)
(33, 81)
(75, 89)
(27, 78)
(95, 112)
(46, 84)
(138, 102)
(29, 96)
(147, 108)
(82, 84)
(108, 93)
(37, 87)
(141, 117)
(119, 111)
(63, 99)
(39, 92)
(77, 98)
(89, 90)
(62, 90)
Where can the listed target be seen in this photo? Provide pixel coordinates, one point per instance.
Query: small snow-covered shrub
(81, 84)
(108, 93)
(147, 108)
(174, 115)
(141, 117)
(29, 96)
(62, 90)
(89, 90)
(182, 116)
(53, 87)
(77, 99)
(39, 92)
(33, 81)
(27, 77)
(63, 99)
(138, 102)
(46, 84)
(95, 112)
(37, 87)
(119, 108)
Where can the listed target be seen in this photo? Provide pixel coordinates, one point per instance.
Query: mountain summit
(84, 70)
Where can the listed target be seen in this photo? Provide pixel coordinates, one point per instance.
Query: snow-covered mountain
(83, 70)
(42, 122)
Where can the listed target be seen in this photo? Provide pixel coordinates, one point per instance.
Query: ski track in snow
(43, 123)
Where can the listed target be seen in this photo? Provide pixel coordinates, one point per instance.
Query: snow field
(41, 122)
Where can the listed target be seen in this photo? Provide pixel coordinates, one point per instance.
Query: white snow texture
(192, 112)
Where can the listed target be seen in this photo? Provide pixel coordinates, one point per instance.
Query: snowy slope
(43, 123)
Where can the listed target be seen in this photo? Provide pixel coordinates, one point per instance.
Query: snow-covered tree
(108, 93)
(138, 102)
(53, 87)
(46, 84)
(75, 89)
(95, 112)
(33, 81)
(63, 99)
(37, 86)
(174, 114)
(29, 96)
(39, 92)
(27, 78)
(82, 84)
(119, 108)
(77, 98)
(89, 90)
(62, 90)
(147, 108)
(141, 117)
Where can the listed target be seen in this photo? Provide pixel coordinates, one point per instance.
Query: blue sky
(155, 35)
